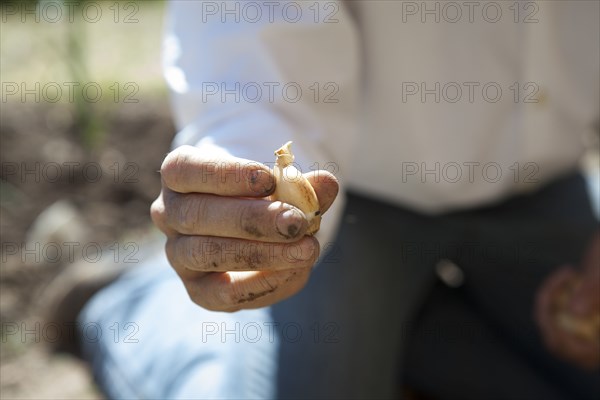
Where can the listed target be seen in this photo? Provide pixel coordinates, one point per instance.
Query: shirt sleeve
(246, 77)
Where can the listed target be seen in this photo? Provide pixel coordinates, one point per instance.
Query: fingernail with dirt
(289, 223)
(261, 182)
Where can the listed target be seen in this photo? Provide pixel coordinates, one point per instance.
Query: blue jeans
(156, 343)
(344, 335)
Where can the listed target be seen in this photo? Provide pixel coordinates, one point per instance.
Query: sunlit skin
(233, 248)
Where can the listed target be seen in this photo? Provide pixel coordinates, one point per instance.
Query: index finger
(188, 170)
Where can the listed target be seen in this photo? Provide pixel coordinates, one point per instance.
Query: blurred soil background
(80, 169)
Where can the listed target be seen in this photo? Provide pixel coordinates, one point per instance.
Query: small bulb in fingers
(293, 188)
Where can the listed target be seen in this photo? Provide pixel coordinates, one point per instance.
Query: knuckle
(173, 166)
(179, 253)
(195, 259)
(188, 213)
(190, 254)
(157, 209)
(171, 253)
(212, 296)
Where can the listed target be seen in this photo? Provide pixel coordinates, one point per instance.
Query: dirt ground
(44, 160)
(54, 187)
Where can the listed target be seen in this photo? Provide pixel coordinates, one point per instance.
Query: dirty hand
(231, 246)
(568, 310)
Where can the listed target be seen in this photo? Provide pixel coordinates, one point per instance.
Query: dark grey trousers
(375, 314)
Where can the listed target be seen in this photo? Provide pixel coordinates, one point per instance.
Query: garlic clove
(293, 188)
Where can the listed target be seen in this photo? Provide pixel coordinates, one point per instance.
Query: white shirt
(435, 106)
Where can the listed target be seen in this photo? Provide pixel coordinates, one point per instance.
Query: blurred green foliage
(120, 58)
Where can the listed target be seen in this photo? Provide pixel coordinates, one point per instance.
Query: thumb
(326, 187)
